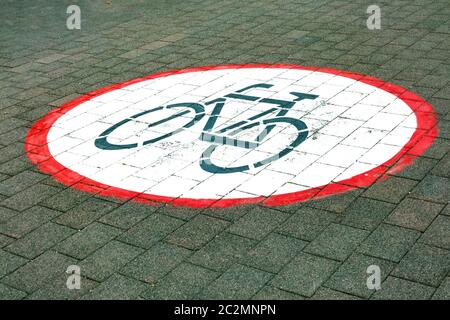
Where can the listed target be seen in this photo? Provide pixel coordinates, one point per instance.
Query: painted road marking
(226, 135)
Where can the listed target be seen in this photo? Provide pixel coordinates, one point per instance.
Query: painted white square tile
(364, 137)
(172, 186)
(361, 112)
(379, 153)
(264, 183)
(341, 127)
(317, 174)
(342, 156)
(384, 121)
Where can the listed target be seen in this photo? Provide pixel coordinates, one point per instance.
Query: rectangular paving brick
(433, 188)
(184, 282)
(85, 213)
(238, 282)
(400, 289)
(272, 253)
(34, 274)
(443, 292)
(197, 232)
(86, 241)
(40, 240)
(20, 182)
(6, 214)
(425, 264)
(155, 262)
(258, 222)
(117, 287)
(365, 213)
(151, 230)
(307, 223)
(56, 289)
(389, 242)
(324, 293)
(438, 234)
(392, 190)
(8, 293)
(304, 274)
(414, 214)
(10, 262)
(28, 220)
(108, 259)
(272, 293)
(351, 277)
(337, 242)
(127, 215)
(29, 197)
(66, 199)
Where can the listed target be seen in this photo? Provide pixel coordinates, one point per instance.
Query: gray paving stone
(365, 213)
(151, 230)
(433, 188)
(184, 282)
(258, 223)
(392, 190)
(415, 214)
(156, 262)
(222, 251)
(108, 259)
(399, 289)
(34, 274)
(29, 197)
(85, 213)
(425, 264)
(117, 287)
(304, 274)
(40, 240)
(26, 221)
(4, 240)
(324, 293)
(307, 223)
(443, 292)
(6, 214)
(443, 167)
(20, 182)
(66, 199)
(8, 293)
(197, 232)
(336, 203)
(351, 277)
(389, 242)
(127, 215)
(238, 282)
(337, 242)
(438, 234)
(84, 242)
(10, 262)
(418, 169)
(56, 289)
(272, 293)
(273, 252)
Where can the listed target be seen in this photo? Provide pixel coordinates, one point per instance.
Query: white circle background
(353, 128)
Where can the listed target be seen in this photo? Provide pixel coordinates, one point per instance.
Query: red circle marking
(38, 152)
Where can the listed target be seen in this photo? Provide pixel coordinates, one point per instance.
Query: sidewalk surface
(316, 249)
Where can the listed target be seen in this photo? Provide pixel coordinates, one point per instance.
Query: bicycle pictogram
(194, 112)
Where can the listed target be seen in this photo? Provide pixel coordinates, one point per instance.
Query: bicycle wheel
(199, 111)
(207, 164)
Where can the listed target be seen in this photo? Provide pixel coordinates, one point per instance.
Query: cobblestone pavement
(317, 249)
